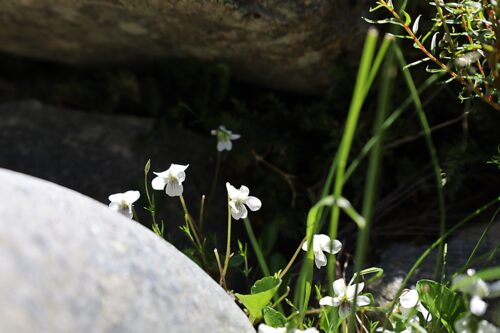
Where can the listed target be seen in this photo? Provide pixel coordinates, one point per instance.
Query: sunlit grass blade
(430, 146)
(357, 101)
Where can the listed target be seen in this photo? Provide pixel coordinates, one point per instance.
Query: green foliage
(444, 305)
(260, 295)
(460, 40)
(273, 318)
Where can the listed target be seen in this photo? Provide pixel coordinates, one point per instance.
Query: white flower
(408, 301)
(322, 243)
(123, 202)
(477, 306)
(170, 180)
(344, 297)
(307, 330)
(238, 199)
(477, 289)
(463, 325)
(224, 138)
(263, 328)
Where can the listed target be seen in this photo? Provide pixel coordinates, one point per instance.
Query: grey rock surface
(97, 154)
(69, 264)
(283, 44)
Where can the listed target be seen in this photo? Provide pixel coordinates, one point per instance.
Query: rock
(106, 152)
(69, 264)
(290, 45)
(398, 258)
(98, 155)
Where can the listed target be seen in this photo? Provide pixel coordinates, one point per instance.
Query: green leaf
(273, 318)
(444, 304)
(260, 295)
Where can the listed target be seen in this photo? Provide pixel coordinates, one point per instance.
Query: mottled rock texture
(283, 44)
(69, 264)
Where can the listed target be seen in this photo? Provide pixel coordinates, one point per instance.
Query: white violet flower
(238, 199)
(170, 180)
(477, 289)
(322, 243)
(344, 297)
(224, 138)
(263, 328)
(123, 202)
(307, 330)
(408, 301)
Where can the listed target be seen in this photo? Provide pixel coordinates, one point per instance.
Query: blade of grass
(430, 146)
(357, 101)
(370, 192)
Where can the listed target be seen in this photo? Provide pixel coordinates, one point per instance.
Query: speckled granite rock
(282, 44)
(69, 264)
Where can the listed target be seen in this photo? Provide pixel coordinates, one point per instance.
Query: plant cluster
(342, 303)
(461, 40)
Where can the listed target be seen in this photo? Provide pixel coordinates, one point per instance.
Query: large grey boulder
(69, 264)
(283, 44)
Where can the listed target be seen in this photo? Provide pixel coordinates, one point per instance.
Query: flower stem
(192, 226)
(228, 247)
(292, 260)
(216, 175)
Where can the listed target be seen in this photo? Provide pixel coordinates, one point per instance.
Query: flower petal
(235, 136)
(224, 145)
(326, 245)
(409, 299)
(232, 191)
(486, 327)
(304, 246)
(426, 314)
(244, 191)
(339, 287)
(362, 300)
(213, 132)
(117, 197)
(158, 183)
(344, 309)
(319, 259)
(176, 169)
(238, 210)
(131, 196)
(115, 206)
(263, 328)
(174, 188)
(477, 306)
(327, 300)
(351, 290)
(253, 203)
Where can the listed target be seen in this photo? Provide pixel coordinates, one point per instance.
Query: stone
(107, 153)
(70, 264)
(290, 45)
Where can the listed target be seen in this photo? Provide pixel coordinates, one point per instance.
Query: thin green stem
(345, 146)
(256, 247)
(374, 163)
(216, 175)
(228, 246)
(430, 146)
(292, 260)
